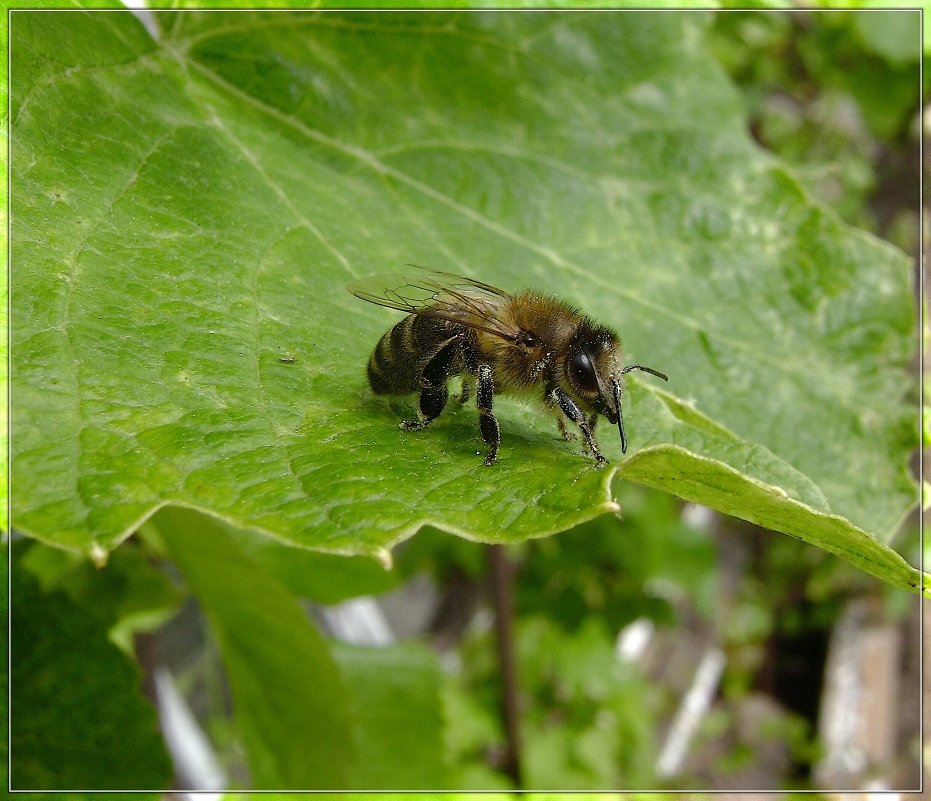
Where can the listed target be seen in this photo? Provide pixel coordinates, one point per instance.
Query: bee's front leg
(491, 433)
(592, 422)
(561, 424)
(574, 413)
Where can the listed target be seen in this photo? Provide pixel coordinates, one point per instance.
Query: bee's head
(593, 364)
(594, 374)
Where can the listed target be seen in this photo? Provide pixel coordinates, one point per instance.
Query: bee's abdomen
(398, 360)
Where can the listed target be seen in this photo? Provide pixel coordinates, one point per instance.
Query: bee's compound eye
(583, 371)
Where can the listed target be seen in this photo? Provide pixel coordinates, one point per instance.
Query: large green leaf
(186, 213)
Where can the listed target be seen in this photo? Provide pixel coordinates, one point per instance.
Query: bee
(527, 344)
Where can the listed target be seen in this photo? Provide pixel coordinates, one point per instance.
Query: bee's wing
(443, 296)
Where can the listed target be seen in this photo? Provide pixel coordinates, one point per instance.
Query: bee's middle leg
(487, 422)
(466, 391)
(433, 390)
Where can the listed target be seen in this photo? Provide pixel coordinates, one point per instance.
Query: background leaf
(289, 697)
(187, 212)
(396, 706)
(77, 715)
(132, 594)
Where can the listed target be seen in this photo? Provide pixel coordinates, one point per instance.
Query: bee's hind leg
(433, 390)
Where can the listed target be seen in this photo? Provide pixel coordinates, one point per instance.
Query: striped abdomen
(399, 358)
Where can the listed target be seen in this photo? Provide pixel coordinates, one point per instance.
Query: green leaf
(4, 282)
(722, 487)
(188, 211)
(289, 697)
(77, 716)
(397, 716)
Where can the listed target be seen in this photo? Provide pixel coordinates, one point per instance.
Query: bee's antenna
(650, 370)
(617, 397)
(620, 419)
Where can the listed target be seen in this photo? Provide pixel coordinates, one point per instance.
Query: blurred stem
(502, 571)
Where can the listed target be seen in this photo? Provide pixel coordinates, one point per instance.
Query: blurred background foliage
(834, 94)
(612, 618)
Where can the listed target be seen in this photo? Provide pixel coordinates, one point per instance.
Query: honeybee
(527, 343)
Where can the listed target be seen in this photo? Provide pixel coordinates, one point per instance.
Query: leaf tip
(384, 557)
(98, 555)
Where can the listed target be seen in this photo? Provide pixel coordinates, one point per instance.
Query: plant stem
(502, 585)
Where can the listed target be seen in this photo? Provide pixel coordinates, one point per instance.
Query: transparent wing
(440, 295)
